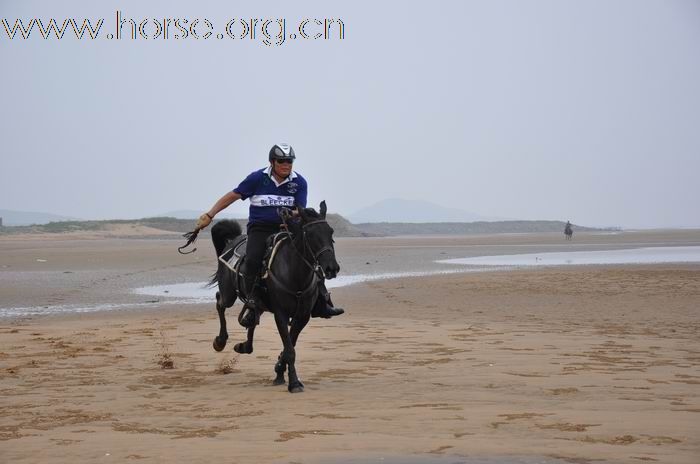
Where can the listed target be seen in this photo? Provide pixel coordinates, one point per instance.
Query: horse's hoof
(296, 387)
(278, 381)
(219, 345)
(242, 348)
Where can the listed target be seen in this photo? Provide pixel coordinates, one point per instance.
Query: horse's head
(318, 235)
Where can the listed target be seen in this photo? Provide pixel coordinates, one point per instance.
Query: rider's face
(282, 169)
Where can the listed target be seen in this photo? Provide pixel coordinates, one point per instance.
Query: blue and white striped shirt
(266, 195)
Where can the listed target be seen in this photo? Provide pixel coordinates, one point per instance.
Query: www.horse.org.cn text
(268, 31)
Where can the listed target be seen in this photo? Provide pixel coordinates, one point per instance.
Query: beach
(542, 364)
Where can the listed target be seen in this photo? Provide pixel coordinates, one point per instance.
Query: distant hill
(192, 214)
(465, 228)
(181, 214)
(400, 210)
(25, 218)
(118, 227)
(162, 227)
(170, 227)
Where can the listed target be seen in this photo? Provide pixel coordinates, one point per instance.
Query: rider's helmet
(282, 151)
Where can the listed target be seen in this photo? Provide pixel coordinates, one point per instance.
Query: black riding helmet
(282, 151)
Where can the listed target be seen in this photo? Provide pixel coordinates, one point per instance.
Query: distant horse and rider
(568, 231)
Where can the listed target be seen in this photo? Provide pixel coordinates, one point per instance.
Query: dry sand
(590, 364)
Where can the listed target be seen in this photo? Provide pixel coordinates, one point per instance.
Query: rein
(315, 266)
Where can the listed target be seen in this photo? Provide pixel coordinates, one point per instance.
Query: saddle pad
(239, 248)
(233, 254)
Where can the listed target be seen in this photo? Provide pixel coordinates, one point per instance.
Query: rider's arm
(223, 203)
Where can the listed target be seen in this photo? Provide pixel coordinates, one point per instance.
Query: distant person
(268, 189)
(568, 231)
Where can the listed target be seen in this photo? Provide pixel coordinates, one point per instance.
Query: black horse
(303, 256)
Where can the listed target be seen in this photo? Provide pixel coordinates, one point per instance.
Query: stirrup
(249, 316)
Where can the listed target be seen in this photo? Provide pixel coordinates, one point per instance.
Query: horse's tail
(221, 234)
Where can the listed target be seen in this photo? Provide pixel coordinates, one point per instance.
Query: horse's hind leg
(221, 339)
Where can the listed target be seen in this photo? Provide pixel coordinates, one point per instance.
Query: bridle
(315, 266)
(306, 242)
(317, 270)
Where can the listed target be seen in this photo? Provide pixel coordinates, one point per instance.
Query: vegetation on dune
(166, 224)
(343, 227)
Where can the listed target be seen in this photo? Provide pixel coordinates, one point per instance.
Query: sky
(588, 111)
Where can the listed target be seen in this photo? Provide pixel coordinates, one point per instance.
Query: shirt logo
(292, 187)
(271, 200)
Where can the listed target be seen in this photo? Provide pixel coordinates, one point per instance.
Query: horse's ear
(301, 212)
(323, 209)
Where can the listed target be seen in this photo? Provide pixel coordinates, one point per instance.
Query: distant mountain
(400, 210)
(26, 218)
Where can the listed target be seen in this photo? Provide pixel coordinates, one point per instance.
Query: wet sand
(588, 364)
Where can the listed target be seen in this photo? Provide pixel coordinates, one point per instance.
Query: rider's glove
(203, 221)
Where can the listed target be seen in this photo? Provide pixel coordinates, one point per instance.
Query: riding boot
(249, 316)
(324, 306)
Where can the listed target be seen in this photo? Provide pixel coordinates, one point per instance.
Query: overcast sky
(588, 110)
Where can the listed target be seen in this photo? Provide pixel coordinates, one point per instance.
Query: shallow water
(188, 293)
(25, 311)
(199, 290)
(653, 255)
(198, 293)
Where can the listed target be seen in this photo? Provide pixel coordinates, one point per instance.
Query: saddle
(234, 256)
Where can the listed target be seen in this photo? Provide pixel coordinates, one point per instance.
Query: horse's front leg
(221, 339)
(297, 326)
(280, 369)
(288, 354)
(281, 366)
(245, 347)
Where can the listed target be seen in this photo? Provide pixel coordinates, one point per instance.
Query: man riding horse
(268, 189)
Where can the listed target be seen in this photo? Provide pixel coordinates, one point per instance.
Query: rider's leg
(324, 306)
(255, 251)
(252, 308)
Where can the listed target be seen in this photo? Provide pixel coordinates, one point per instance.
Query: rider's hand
(284, 213)
(203, 221)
